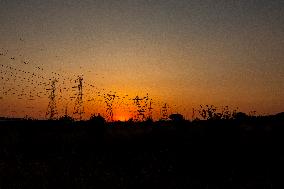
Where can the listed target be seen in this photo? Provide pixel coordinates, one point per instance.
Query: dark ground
(204, 154)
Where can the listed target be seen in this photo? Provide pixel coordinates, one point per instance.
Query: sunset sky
(182, 52)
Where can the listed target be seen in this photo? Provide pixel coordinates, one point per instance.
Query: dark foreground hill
(201, 154)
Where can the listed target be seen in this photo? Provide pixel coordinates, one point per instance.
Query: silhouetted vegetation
(243, 151)
(66, 118)
(97, 119)
(176, 117)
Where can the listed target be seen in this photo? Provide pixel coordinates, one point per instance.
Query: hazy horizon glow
(184, 53)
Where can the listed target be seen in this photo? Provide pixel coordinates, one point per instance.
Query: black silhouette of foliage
(280, 116)
(130, 120)
(97, 119)
(176, 117)
(66, 118)
(240, 116)
(149, 120)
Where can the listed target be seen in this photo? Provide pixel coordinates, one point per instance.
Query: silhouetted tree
(280, 116)
(130, 121)
(240, 116)
(148, 121)
(97, 119)
(176, 117)
(66, 118)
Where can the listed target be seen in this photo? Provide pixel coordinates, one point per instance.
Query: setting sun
(121, 117)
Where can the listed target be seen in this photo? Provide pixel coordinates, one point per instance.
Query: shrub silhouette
(100, 120)
(240, 116)
(66, 118)
(176, 117)
(280, 116)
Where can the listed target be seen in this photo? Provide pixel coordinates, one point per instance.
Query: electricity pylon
(52, 109)
(79, 108)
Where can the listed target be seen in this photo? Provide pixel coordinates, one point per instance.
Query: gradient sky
(185, 52)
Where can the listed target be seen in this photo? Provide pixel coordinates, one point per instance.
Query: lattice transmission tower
(150, 110)
(109, 100)
(164, 112)
(52, 109)
(79, 108)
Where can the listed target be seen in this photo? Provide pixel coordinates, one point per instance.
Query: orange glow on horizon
(121, 118)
